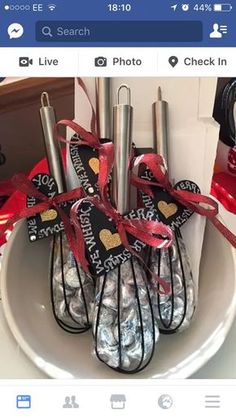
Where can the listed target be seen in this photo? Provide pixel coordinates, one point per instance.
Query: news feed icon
(25, 61)
(100, 62)
(23, 401)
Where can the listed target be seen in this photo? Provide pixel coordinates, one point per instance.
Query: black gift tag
(104, 248)
(86, 164)
(170, 211)
(46, 223)
(85, 161)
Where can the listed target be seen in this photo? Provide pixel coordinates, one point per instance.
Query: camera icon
(100, 62)
(25, 61)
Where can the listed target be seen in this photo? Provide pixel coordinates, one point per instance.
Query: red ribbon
(141, 229)
(203, 205)
(6, 188)
(21, 183)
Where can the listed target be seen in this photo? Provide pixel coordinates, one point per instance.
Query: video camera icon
(25, 61)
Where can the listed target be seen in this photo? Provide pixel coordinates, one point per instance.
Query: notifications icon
(15, 30)
(173, 61)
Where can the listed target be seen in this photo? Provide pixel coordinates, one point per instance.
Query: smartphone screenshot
(117, 208)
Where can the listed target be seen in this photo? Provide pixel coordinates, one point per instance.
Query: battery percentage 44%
(203, 7)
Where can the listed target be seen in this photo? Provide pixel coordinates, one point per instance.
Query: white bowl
(26, 303)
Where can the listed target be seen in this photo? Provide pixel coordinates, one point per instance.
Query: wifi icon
(52, 7)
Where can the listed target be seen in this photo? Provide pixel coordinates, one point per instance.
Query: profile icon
(216, 33)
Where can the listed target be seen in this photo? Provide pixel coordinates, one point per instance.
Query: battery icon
(222, 7)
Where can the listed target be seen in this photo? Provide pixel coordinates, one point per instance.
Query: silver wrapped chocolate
(72, 290)
(174, 311)
(124, 326)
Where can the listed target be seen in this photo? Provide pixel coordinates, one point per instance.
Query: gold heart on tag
(109, 240)
(48, 215)
(167, 209)
(94, 164)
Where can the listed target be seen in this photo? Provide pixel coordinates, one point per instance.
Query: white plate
(25, 295)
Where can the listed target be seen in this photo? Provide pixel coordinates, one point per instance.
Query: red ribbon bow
(203, 205)
(21, 183)
(141, 229)
(144, 230)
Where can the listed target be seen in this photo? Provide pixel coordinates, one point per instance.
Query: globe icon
(165, 401)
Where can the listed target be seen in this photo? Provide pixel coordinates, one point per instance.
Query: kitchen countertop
(15, 364)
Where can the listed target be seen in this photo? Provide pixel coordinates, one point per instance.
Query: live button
(48, 62)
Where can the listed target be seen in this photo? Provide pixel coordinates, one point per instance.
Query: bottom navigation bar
(120, 399)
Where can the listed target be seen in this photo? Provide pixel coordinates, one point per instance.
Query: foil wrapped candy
(72, 290)
(124, 327)
(174, 312)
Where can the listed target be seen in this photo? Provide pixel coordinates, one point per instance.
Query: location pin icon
(173, 61)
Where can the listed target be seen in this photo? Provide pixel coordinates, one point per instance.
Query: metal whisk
(72, 291)
(175, 311)
(124, 326)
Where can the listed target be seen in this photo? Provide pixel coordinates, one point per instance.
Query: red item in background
(224, 190)
(16, 201)
(3, 219)
(232, 161)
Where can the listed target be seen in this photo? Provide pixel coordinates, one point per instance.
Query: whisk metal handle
(160, 110)
(122, 137)
(52, 146)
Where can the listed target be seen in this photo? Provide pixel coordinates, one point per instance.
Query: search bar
(119, 31)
